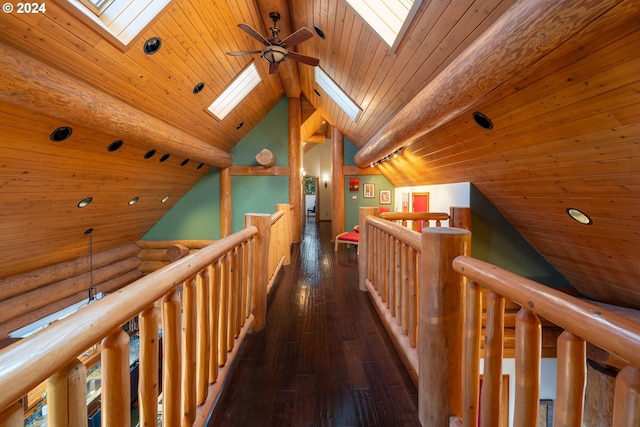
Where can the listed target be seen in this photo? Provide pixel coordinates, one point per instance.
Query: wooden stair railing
(582, 321)
(209, 299)
(416, 218)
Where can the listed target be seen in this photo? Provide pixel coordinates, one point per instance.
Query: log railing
(416, 218)
(209, 300)
(582, 322)
(280, 242)
(391, 265)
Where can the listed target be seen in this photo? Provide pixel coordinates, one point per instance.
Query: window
(337, 94)
(388, 18)
(236, 92)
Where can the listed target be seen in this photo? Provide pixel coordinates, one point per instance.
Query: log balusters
(471, 365)
(493, 350)
(116, 393)
(188, 365)
(528, 356)
(171, 360)
(66, 396)
(571, 378)
(148, 381)
(626, 407)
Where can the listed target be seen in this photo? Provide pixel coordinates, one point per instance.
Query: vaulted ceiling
(559, 80)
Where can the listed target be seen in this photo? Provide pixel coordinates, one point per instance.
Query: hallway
(323, 358)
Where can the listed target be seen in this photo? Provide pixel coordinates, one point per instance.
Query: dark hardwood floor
(323, 359)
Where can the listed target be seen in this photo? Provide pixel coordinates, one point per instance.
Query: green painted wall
(197, 214)
(352, 206)
(498, 242)
(350, 151)
(260, 194)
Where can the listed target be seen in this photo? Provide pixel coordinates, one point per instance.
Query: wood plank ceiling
(565, 134)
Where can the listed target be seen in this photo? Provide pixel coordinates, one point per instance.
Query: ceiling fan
(275, 51)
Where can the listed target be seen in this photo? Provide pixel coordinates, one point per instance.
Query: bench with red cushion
(348, 237)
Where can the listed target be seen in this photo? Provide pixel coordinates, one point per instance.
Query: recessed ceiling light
(483, 121)
(319, 32)
(152, 45)
(165, 157)
(61, 134)
(165, 198)
(88, 231)
(85, 202)
(115, 145)
(134, 200)
(579, 216)
(239, 125)
(198, 88)
(184, 162)
(149, 154)
(200, 166)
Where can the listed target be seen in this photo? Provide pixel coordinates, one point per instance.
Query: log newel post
(493, 350)
(528, 356)
(261, 268)
(66, 396)
(440, 330)
(225, 202)
(149, 352)
(460, 217)
(337, 183)
(570, 380)
(626, 406)
(363, 259)
(116, 393)
(295, 164)
(286, 208)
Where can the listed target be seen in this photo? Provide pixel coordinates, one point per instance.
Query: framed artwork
(310, 186)
(385, 197)
(354, 184)
(545, 413)
(369, 191)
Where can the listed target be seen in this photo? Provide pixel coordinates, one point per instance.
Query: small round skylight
(85, 202)
(152, 45)
(61, 134)
(134, 200)
(149, 154)
(115, 145)
(579, 216)
(483, 121)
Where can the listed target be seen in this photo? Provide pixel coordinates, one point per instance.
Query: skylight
(236, 92)
(337, 94)
(119, 20)
(388, 18)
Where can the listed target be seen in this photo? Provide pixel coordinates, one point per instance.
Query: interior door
(420, 203)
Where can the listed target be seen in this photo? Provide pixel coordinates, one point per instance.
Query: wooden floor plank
(323, 358)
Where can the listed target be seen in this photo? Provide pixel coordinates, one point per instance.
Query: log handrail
(26, 363)
(607, 330)
(416, 218)
(582, 321)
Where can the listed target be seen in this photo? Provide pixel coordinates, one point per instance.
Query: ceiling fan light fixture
(274, 54)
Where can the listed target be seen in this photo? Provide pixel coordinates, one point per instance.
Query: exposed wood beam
(523, 35)
(30, 83)
(259, 171)
(354, 170)
(311, 125)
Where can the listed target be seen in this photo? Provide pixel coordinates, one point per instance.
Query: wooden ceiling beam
(30, 83)
(525, 33)
(288, 72)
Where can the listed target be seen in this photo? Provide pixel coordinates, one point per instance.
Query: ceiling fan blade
(297, 37)
(245, 52)
(273, 68)
(253, 33)
(304, 59)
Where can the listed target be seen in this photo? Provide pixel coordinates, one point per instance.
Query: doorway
(311, 197)
(420, 203)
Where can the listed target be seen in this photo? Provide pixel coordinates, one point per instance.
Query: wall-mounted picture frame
(354, 185)
(385, 197)
(368, 191)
